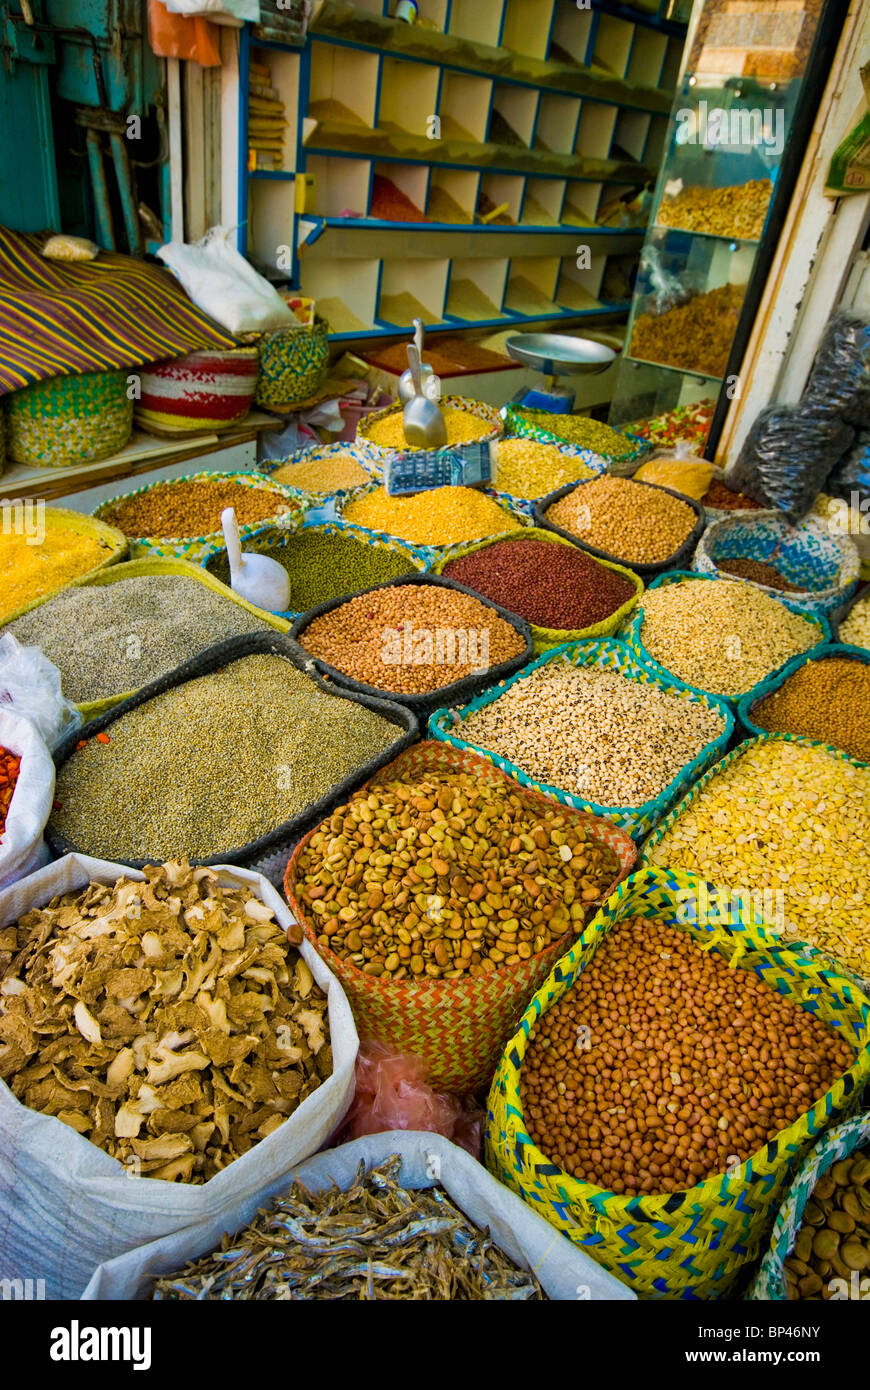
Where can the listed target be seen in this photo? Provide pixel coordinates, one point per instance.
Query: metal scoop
(423, 421)
(406, 381)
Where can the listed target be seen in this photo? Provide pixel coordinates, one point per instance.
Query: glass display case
(734, 145)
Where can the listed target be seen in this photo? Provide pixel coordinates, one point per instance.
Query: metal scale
(555, 355)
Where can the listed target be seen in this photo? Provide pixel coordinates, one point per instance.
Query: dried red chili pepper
(10, 765)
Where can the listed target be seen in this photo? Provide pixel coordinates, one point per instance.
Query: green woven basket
(698, 1243)
(518, 421)
(69, 419)
(293, 362)
(770, 1282)
(612, 655)
(544, 639)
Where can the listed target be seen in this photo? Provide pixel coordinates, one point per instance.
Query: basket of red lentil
(438, 944)
(564, 594)
(649, 528)
(420, 640)
(666, 1080)
(180, 518)
(823, 695)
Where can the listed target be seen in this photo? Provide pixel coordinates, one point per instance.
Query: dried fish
(378, 1240)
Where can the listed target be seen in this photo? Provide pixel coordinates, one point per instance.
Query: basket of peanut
(667, 1079)
(442, 894)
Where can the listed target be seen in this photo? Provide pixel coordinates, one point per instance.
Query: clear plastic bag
(30, 687)
(787, 457)
(667, 291)
(677, 467)
(839, 383)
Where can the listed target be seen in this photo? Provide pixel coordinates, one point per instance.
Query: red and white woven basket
(208, 390)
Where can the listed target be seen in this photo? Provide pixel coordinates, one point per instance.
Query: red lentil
(10, 766)
(549, 585)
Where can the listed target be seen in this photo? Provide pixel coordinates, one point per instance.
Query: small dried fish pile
(378, 1240)
(169, 1021)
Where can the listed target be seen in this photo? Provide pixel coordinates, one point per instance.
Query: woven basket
(696, 1243)
(274, 538)
(69, 419)
(680, 556)
(545, 638)
(209, 390)
(514, 520)
(2, 437)
(517, 423)
(747, 705)
(380, 452)
(314, 454)
(458, 1027)
(59, 519)
(134, 569)
(770, 1282)
(632, 633)
(289, 514)
(612, 655)
(824, 565)
(293, 362)
(592, 465)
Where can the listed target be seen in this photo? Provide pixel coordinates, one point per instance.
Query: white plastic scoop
(256, 578)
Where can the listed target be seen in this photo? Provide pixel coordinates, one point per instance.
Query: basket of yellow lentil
(761, 1047)
(439, 944)
(72, 545)
(823, 695)
(320, 473)
(181, 518)
(526, 470)
(788, 819)
(725, 639)
(467, 421)
(442, 516)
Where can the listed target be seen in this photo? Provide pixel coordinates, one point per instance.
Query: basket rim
(483, 411)
(258, 481)
(775, 522)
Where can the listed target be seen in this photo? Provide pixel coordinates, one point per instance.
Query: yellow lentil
(323, 475)
(528, 469)
(791, 819)
(462, 428)
(721, 635)
(441, 516)
(856, 629)
(29, 571)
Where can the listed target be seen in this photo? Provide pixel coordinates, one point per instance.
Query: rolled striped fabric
(208, 390)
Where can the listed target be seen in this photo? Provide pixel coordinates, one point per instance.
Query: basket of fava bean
(741, 1052)
(820, 1246)
(646, 527)
(438, 944)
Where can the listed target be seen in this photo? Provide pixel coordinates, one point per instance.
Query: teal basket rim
(766, 687)
(833, 593)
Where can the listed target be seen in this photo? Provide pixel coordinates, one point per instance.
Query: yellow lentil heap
(721, 635)
(323, 475)
(30, 571)
(441, 516)
(529, 469)
(462, 428)
(793, 820)
(856, 629)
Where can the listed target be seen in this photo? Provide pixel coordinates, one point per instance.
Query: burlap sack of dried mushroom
(166, 1056)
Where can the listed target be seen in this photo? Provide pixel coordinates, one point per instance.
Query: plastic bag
(839, 383)
(22, 848)
(677, 468)
(174, 36)
(224, 285)
(212, 9)
(392, 1093)
(30, 687)
(564, 1271)
(66, 1205)
(666, 290)
(787, 456)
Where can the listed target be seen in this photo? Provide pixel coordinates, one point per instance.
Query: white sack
(225, 286)
(22, 848)
(66, 1206)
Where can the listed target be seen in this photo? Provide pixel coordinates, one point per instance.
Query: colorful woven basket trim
(697, 1243)
(69, 419)
(608, 654)
(517, 423)
(293, 363)
(478, 408)
(632, 633)
(312, 455)
(458, 1027)
(823, 564)
(205, 390)
(515, 520)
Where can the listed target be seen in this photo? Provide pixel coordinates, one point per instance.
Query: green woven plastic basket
(69, 419)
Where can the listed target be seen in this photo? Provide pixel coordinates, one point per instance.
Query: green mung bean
(110, 638)
(214, 763)
(323, 566)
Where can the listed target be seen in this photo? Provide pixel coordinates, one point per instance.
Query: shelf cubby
(346, 292)
(611, 51)
(595, 130)
(579, 290)
(377, 7)
(647, 59)
(412, 289)
(542, 202)
(408, 96)
(673, 62)
(479, 21)
(504, 188)
(464, 106)
(630, 135)
(344, 85)
(558, 119)
(656, 141)
(572, 29)
(435, 11)
(284, 76)
(340, 185)
(475, 290)
(527, 25)
(410, 179)
(453, 196)
(270, 222)
(531, 286)
(519, 107)
(580, 208)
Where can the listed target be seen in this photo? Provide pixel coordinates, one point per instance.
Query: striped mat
(61, 317)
